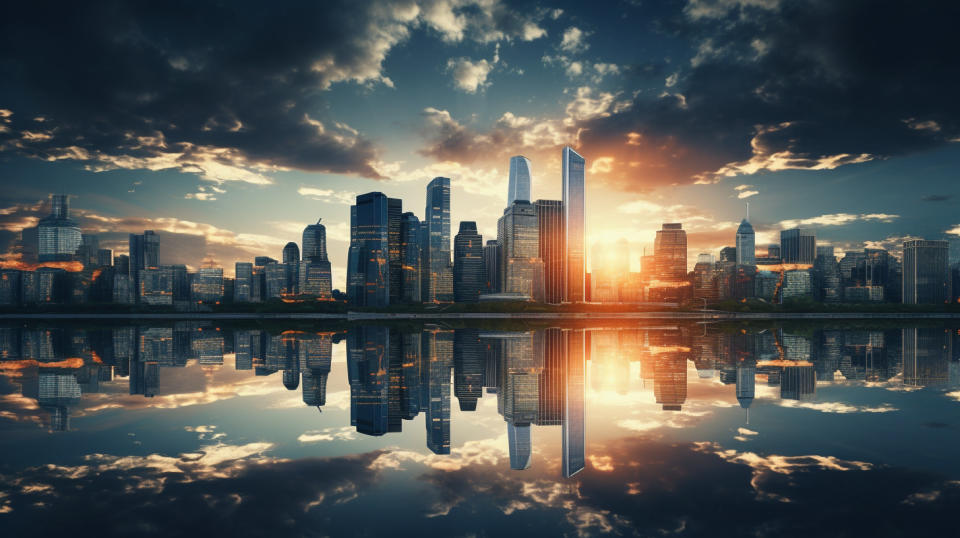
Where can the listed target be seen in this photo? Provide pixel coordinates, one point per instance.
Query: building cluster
(536, 377)
(78, 271)
(538, 255)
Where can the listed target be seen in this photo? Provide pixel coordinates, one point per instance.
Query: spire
(748, 211)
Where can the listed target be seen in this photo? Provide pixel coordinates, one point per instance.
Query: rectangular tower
(574, 213)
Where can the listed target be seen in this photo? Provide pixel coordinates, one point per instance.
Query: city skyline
(451, 90)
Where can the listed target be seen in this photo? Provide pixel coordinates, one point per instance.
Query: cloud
(781, 86)
(937, 198)
(574, 41)
(837, 219)
(837, 407)
(471, 76)
(328, 195)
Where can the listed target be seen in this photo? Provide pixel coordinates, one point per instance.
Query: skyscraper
(746, 248)
(574, 214)
(552, 251)
(491, 260)
(798, 245)
(520, 266)
(243, 282)
(437, 348)
(315, 243)
(519, 186)
(574, 413)
(394, 217)
(468, 278)
(410, 258)
(291, 253)
(144, 253)
(926, 272)
(670, 253)
(439, 280)
(58, 236)
(368, 278)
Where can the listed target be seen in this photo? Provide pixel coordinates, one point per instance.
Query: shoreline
(709, 315)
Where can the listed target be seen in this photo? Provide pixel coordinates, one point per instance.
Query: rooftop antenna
(748, 416)
(748, 211)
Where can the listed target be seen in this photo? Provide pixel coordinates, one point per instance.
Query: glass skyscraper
(574, 413)
(315, 243)
(59, 237)
(491, 260)
(798, 245)
(552, 251)
(670, 252)
(926, 272)
(520, 265)
(574, 213)
(394, 217)
(468, 267)
(368, 267)
(410, 258)
(519, 186)
(746, 247)
(439, 277)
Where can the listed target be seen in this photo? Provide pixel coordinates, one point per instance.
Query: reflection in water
(536, 377)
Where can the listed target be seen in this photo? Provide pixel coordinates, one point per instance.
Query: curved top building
(519, 187)
(58, 236)
(746, 244)
(315, 243)
(291, 253)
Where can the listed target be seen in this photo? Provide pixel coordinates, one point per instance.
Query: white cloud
(328, 195)
(587, 105)
(836, 407)
(837, 219)
(747, 194)
(574, 40)
(471, 76)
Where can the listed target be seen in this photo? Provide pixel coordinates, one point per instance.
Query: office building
(410, 249)
(156, 285)
(368, 275)
(798, 246)
(58, 236)
(243, 282)
(520, 264)
(574, 412)
(926, 272)
(491, 261)
(826, 271)
(439, 272)
(263, 261)
(291, 253)
(520, 180)
(670, 253)
(104, 257)
(574, 214)
(207, 285)
(468, 267)
(746, 251)
(314, 279)
(552, 248)
(394, 225)
(314, 243)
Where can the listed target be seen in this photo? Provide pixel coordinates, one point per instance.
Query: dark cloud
(200, 83)
(937, 198)
(803, 85)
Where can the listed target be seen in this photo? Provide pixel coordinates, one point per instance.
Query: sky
(228, 127)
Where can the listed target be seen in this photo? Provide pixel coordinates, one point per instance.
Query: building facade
(575, 225)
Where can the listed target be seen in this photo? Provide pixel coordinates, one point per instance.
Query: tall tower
(468, 269)
(550, 221)
(519, 186)
(574, 213)
(670, 252)
(394, 215)
(58, 237)
(315, 243)
(439, 279)
(926, 272)
(369, 279)
(746, 245)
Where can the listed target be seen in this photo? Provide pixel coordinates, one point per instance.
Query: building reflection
(537, 379)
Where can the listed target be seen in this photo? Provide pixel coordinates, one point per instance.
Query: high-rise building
(315, 243)
(491, 261)
(291, 253)
(520, 446)
(468, 267)
(574, 413)
(368, 278)
(207, 285)
(243, 282)
(314, 279)
(705, 281)
(437, 348)
(439, 276)
(519, 186)
(155, 285)
(394, 217)
(58, 236)
(410, 258)
(826, 273)
(104, 257)
(263, 261)
(746, 250)
(520, 265)
(574, 214)
(670, 253)
(926, 272)
(552, 250)
(798, 245)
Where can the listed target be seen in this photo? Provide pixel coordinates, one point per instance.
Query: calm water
(205, 429)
